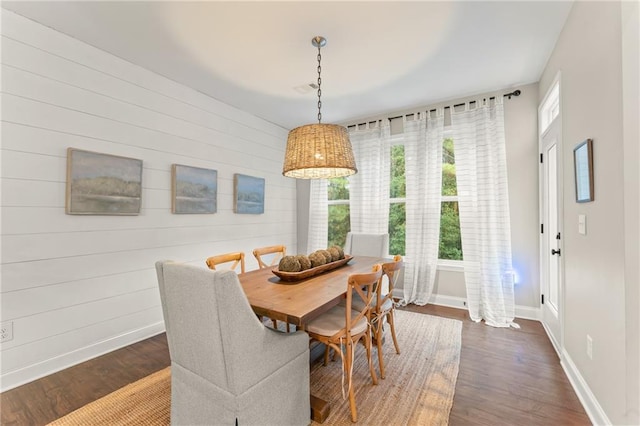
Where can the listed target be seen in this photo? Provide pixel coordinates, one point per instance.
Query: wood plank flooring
(507, 377)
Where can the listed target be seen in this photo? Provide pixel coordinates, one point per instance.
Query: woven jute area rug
(418, 389)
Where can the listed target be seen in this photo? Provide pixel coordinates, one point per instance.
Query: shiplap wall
(79, 286)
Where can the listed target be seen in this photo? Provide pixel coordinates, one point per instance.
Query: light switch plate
(582, 224)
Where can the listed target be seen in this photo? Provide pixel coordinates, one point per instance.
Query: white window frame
(550, 107)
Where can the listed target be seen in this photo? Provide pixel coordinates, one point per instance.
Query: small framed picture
(102, 184)
(248, 192)
(583, 163)
(194, 190)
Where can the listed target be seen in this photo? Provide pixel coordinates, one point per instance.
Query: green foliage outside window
(397, 212)
(339, 219)
(397, 228)
(450, 242)
(338, 189)
(339, 224)
(448, 168)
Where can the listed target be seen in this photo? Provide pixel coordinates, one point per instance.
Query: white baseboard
(587, 398)
(554, 343)
(28, 374)
(524, 312)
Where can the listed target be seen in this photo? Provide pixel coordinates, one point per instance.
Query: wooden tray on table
(308, 273)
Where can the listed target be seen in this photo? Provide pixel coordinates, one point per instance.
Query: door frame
(557, 341)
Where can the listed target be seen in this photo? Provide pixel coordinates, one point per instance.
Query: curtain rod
(506, 95)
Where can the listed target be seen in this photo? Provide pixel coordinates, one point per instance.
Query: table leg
(319, 409)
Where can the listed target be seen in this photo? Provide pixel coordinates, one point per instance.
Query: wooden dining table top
(299, 302)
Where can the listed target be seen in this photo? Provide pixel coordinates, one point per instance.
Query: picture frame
(194, 190)
(102, 184)
(583, 164)
(248, 194)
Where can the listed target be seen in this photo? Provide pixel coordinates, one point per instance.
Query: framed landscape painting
(102, 184)
(195, 190)
(248, 192)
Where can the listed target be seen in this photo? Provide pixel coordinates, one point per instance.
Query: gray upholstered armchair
(226, 367)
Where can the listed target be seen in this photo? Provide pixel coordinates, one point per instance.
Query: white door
(551, 232)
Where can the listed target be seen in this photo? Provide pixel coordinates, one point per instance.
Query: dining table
(298, 302)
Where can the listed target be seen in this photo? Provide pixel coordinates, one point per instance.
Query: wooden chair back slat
(279, 251)
(361, 286)
(389, 269)
(237, 259)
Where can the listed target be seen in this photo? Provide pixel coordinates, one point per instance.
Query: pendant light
(319, 151)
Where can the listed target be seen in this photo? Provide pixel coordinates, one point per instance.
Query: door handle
(555, 252)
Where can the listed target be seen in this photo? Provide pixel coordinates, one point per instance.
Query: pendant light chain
(319, 83)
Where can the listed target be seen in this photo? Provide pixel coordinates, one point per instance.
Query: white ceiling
(380, 56)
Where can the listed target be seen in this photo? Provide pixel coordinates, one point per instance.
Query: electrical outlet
(589, 347)
(6, 331)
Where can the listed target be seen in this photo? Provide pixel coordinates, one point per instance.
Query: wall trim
(524, 312)
(44, 368)
(587, 398)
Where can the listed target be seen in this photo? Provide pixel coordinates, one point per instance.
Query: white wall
(630, 14)
(522, 167)
(588, 53)
(78, 286)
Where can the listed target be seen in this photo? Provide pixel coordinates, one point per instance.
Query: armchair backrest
(210, 324)
(358, 244)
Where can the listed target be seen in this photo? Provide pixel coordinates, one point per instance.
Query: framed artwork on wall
(102, 184)
(248, 194)
(193, 190)
(583, 164)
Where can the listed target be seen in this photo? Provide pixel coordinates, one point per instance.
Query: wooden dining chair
(236, 258)
(262, 255)
(343, 325)
(384, 308)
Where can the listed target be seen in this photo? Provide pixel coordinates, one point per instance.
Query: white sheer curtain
(483, 200)
(423, 165)
(369, 188)
(318, 233)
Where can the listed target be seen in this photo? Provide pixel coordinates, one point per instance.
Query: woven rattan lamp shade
(319, 151)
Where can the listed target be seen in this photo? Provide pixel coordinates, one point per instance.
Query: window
(450, 248)
(450, 242)
(550, 107)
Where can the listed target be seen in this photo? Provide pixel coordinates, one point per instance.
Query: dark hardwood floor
(507, 377)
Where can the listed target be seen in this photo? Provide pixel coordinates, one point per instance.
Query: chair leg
(288, 329)
(275, 324)
(367, 344)
(378, 332)
(347, 372)
(393, 330)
